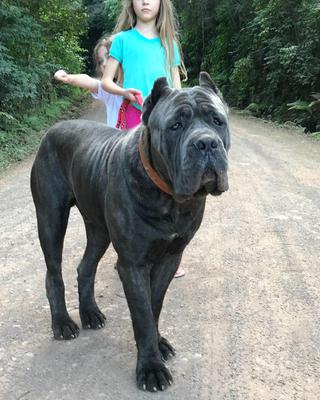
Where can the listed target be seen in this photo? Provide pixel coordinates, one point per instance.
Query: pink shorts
(129, 116)
(133, 116)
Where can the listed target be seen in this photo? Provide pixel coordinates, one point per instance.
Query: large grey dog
(144, 190)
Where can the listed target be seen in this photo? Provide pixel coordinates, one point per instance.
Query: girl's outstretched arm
(175, 76)
(82, 81)
(110, 86)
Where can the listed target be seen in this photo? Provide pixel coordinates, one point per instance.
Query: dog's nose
(206, 144)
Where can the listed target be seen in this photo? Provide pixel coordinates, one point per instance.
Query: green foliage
(20, 137)
(308, 112)
(102, 15)
(263, 54)
(19, 62)
(64, 23)
(241, 80)
(36, 39)
(259, 52)
(254, 109)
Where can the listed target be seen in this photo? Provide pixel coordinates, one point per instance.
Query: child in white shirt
(112, 102)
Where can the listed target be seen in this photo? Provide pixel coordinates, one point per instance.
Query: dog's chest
(177, 221)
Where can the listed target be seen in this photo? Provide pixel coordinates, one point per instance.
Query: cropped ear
(206, 81)
(160, 88)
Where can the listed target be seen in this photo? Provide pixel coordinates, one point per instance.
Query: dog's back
(75, 148)
(66, 138)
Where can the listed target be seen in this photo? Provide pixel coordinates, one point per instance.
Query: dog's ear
(160, 88)
(206, 81)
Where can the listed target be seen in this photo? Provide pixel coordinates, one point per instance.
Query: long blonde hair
(166, 24)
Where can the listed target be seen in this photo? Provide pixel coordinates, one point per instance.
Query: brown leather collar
(151, 172)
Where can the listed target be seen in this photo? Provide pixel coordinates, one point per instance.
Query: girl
(112, 102)
(146, 47)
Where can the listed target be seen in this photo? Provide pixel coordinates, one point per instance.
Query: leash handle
(122, 123)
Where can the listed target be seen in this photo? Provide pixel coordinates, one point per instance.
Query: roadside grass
(315, 135)
(21, 136)
(287, 125)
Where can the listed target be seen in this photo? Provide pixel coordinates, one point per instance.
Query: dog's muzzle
(209, 157)
(212, 157)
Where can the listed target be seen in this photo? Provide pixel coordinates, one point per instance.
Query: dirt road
(245, 319)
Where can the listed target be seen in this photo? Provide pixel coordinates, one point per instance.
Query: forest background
(263, 54)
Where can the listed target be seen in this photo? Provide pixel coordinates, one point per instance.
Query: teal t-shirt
(142, 60)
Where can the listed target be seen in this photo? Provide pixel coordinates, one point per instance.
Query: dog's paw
(166, 350)
(65, 329)
(92, 318)
(153, 376)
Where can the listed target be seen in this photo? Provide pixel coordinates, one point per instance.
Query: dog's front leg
(151, 372)
(161, 276)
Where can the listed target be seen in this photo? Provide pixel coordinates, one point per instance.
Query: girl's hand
(133, 95)
(139, 99)
(62, 76)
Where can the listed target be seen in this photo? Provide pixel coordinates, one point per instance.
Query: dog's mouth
(209, 175)
(214, 184)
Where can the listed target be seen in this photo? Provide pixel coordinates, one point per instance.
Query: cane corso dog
(144, 190)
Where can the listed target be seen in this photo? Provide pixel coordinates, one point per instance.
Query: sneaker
(179, 273)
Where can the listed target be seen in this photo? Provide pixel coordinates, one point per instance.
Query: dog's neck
(149, 157)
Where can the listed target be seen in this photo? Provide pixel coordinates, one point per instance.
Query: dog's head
(189, 137)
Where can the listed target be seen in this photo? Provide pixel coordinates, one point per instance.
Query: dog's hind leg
(53, 201)
(97, 243)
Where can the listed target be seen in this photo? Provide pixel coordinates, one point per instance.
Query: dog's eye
(217, 121)
(176, 126)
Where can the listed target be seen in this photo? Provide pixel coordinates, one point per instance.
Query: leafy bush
(264, 52)
(308, 112)
(241, 80)
(36, 38)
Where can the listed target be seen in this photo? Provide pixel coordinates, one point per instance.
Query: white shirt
(112, 103)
